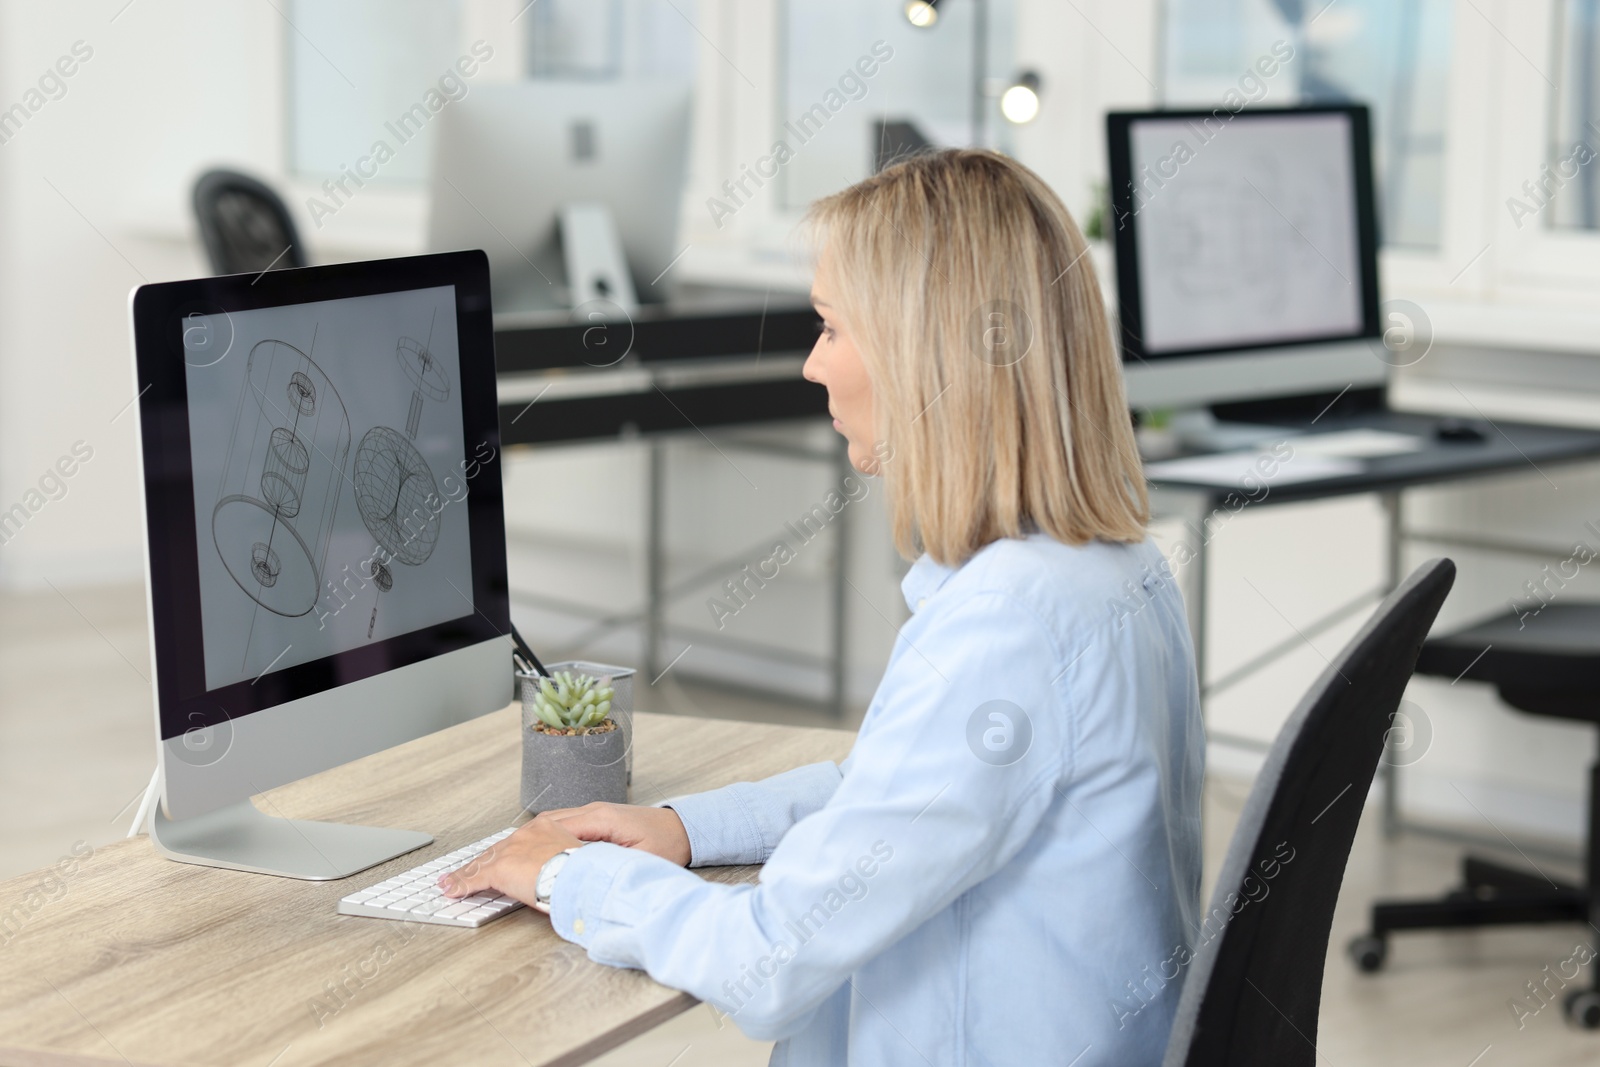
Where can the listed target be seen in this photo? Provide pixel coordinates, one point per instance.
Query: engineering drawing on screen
(393, 483)
(282, 480)
(312, 536)
(1249, 237)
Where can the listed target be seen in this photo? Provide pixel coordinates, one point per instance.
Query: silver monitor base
(241, 838)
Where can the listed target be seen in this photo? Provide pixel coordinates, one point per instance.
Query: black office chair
(1545, 664)
(244, 225)
(1255, 981)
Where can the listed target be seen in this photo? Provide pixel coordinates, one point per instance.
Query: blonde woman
(1007, 866)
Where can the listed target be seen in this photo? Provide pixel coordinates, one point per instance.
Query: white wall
(154, 101)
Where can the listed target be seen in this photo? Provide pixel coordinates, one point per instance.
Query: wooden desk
(142, 960)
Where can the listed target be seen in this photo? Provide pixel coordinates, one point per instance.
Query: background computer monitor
(508, 158)
(325, 539)
(1246, 252)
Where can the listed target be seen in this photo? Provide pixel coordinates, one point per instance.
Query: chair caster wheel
(1583, 1008)
(1368, 952)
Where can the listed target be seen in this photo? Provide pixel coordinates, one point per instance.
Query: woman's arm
(743, 822)
(739, 823)
(927, 809)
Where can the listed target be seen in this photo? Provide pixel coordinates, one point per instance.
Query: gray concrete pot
(566, 772)
(560, 771)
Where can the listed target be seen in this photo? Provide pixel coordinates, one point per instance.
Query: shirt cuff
(718, 828)
(743, 822)
(577, 899)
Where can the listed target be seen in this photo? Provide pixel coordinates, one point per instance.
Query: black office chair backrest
(1255, 977)
(244, 225)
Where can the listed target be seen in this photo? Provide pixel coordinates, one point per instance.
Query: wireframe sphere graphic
(397, 496)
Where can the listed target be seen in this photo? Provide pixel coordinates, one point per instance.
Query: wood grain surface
(126, 957)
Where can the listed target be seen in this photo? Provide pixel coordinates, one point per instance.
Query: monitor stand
(596, 266)
(242, 838)
(582, 269)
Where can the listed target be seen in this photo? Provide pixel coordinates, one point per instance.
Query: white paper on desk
(1355, 444)
(1230, 469)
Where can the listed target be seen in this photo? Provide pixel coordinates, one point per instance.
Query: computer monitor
(509, 158)
(1246, 251)
(325, 539)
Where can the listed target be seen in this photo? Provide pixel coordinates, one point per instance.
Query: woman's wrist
(681, 852)
(545, 884)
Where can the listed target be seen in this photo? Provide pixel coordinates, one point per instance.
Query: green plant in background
(570, 701)
(1156, 418)
(1094, 227)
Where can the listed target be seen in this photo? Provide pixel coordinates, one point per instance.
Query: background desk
(711, 359)
(147, 961)
(1506, 447)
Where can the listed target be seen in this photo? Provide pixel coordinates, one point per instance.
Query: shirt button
(577, 926)
(921, 602)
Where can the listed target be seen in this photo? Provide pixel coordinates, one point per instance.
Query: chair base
(1490, 895)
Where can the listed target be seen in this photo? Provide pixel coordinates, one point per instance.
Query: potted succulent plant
(575, 740)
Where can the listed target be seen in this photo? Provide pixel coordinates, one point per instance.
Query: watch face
(547, 880)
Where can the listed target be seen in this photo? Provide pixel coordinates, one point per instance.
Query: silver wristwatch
(545, 884)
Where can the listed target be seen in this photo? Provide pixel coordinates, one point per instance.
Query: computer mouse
(1457, 430)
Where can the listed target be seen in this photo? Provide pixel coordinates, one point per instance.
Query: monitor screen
(320, 450)
(1238, 231)
(328, 468)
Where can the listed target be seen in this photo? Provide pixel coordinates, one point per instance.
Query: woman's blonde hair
(997, 389)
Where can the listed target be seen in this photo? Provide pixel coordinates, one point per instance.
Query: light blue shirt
(1005, 870)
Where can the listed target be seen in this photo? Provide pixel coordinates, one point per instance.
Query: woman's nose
(808, 370)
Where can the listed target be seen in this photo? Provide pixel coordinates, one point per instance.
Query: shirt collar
(923, 580)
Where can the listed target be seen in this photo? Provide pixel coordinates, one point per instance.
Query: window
(610, 39)
(1392, 55)
(1574, 187)
(936, 78)
(357, 65)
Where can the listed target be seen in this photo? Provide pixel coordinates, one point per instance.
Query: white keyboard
(415, 896)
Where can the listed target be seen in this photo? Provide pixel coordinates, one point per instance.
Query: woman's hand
(655, 830)
(511, 866)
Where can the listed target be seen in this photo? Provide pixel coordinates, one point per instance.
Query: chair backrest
(244, 225)
(1255, 966)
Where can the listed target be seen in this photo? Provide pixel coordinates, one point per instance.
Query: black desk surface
(1506, 447)
(699, 322)
(726, 331)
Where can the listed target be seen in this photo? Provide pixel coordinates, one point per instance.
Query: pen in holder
(570, 765)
